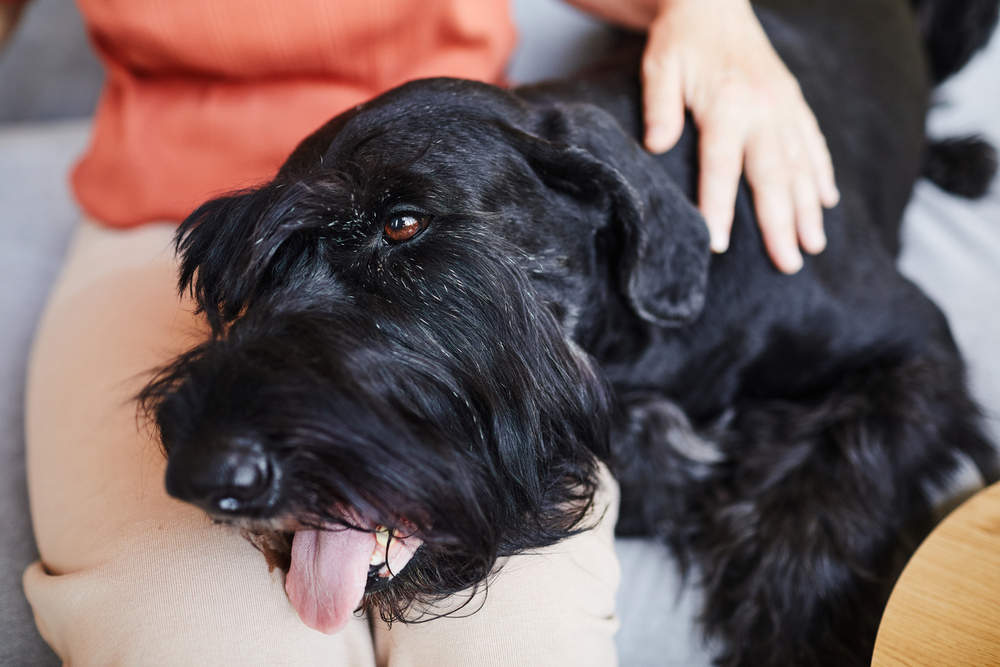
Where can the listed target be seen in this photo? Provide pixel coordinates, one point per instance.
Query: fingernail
(832, 197)
(791, 260)
(657, 139)
(814, 241)
(718, 242)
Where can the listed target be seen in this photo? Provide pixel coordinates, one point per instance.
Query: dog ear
(581, 150)
(235, 248)
(228, 246)
(214, 261)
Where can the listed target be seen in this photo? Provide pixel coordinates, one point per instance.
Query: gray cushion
(952, 249)
(36, 216)
(48, 71)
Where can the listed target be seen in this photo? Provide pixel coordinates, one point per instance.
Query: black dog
(453, 301)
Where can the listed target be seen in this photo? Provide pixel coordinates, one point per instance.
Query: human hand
(713, 57)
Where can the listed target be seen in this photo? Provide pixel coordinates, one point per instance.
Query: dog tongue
(327, 576)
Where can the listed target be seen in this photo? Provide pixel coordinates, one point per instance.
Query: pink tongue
(327, 576)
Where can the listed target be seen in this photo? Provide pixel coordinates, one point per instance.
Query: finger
(808, 210)
(768, 174)
(819, 158)
(720, 167)
(663, 100)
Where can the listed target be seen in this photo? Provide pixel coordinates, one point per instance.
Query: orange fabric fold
(206, 96)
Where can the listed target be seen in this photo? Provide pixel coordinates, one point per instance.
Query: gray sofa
(48, 87)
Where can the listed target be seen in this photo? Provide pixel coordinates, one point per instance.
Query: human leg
(128, 575)
(131, 576)
(551, 607)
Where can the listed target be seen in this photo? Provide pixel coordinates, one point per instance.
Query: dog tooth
(382, 536)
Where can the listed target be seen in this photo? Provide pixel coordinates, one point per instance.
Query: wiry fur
(401, 382)
(954, 30)
(561, 307)
(963, 166)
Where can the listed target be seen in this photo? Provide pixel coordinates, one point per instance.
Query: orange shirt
(205, 96)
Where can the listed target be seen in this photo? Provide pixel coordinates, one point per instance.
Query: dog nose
(232, 479)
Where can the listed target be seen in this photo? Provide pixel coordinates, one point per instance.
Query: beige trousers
(130, 576)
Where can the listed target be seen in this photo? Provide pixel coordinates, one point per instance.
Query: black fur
(954, 30)
(560, 307)
(427, 381)
(964, 166)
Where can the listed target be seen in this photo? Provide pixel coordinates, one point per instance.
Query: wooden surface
(945, 608)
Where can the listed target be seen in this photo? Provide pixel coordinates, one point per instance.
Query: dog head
(394, 319)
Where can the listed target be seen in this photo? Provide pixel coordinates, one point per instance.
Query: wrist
(713, 7)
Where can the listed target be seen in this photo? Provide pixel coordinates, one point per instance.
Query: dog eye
(405, 227)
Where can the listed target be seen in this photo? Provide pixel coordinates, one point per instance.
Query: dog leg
(804, 528)
(658, 459)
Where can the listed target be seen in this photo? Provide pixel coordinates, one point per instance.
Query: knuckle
(719, 159)
(653, 67)
(809, 213)
(797, 154)
(769, 171)
(789, 85)
(777, 202)
(766, 99)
